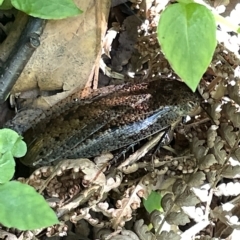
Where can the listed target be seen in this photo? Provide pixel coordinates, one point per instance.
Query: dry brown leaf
(125, 235)
(168, 236)
(195, 179)
(236, 155)
(228, 134)
(7, 235)
(218, 151)
(219, 91)
(113, 182)
(214, 112)
(178, 187)
(231, 112)
(108, 39)
(142, 230)
(228, 213)
(155, 218)
(167, 202)
(234, 91)
(231, 172)
(188, 198)
(124, 213)
(207, 161)
(177, 218)
(211, 135)
(69, 51)
(218, 3)
(197, 148)
(211, 177)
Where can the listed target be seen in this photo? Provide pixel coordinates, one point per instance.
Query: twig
(20, 55)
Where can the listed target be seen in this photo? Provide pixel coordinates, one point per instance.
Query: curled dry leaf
(167, 202)
(235, 155)
(207, 161)
(103, 207)
(231, 112)
(234, 91)
(7, 235)
(178, 187)
(156, 218)
(211, 135)
(124, 213)
(142, 230)
(113, 182)
(102, 233)
(169, 236)
(149, 182)
(218, 151)
(211, 177)
(228, 134)
(195, 179)
(125, 235)
(219, 91)
(214, 112)
(231, 172)
(228, 213)
(177, 218)
(188, 198)
(108, 39)
(197, 148)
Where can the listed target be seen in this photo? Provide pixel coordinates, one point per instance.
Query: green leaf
(8, 138)
(19, 149)
(185, 1)
(187, 35)
(11, 141)
(47, 9)
(7, 167)
(23, 208)
(153, 202)
(5, 4)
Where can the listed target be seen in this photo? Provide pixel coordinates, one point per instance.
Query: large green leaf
(47, 9)
(187, 35)
(7, 167)
(23, 208)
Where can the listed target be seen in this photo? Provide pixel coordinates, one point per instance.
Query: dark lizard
(111, 118)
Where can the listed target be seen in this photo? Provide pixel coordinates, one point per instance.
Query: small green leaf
(23, 208)
(19, 149)
(11, 141)
(7, 167)
(8, 138)
(47, 9)
(153, 202)
(187, 35)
